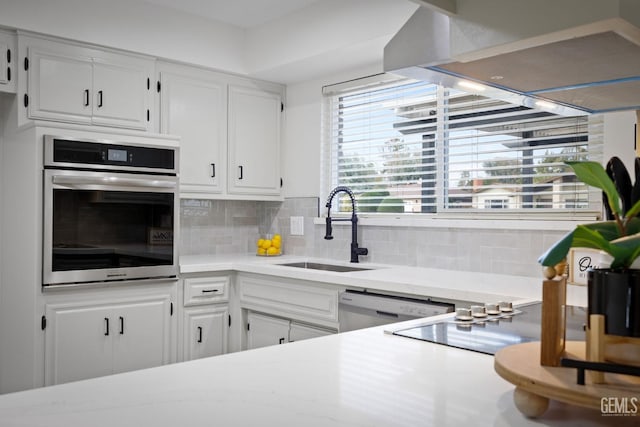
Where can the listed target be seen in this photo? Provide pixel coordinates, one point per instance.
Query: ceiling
(241, 13)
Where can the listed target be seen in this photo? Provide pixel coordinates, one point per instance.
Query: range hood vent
(593, 67)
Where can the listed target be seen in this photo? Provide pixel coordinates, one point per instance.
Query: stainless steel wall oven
(110, 211)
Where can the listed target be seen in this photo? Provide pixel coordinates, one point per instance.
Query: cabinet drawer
(290, 298)
(206, 290)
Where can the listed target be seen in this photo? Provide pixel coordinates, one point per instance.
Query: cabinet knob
(86, 97)
(99, 98)
(213, 170)
(106, 332)
(199, 333)
(121, 325)
(281, 341)
(241, 172)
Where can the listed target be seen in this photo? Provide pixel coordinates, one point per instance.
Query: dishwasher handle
(386, 314)
(391, 305)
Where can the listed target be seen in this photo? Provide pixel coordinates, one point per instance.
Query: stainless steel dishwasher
(361, 309)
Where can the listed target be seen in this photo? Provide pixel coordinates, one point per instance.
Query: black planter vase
(616, 295)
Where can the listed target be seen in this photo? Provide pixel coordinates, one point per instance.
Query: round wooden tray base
(536, 384)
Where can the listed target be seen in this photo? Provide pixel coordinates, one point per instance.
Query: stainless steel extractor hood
(577, 54)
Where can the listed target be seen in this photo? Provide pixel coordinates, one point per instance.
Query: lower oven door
(101, 226)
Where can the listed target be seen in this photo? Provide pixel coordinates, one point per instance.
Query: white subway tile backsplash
(226, 227)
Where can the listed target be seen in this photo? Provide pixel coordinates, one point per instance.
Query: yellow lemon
(260, 242)
(262, 251)
(266, 243)
(276, 243)
(277, 237)
(272, 251)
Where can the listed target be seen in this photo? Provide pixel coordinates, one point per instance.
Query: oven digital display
(116, 155)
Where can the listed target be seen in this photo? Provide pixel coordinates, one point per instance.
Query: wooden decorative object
(595, 345)
(536, 384)
(552, 336)
(609, 348)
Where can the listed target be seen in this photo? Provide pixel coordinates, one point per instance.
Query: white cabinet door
(60, 86)
(84, 85)
(4, 54)
(101, 336)
(141, 334)
(121, 93)
(264, 330)
(8, 56)
(299, 332)
(254, 141)
(194, 106)
(205, 331)
(294, 299)
(78, 342)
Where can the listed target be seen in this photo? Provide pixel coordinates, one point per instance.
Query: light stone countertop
(432, 282)
(360, 378)
(363, 378)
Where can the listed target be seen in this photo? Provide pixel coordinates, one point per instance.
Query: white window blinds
(408, 146)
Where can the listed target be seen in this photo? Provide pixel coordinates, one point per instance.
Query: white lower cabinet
(205, 332)
(299, 332)
(264, 330)
(107, 334)
(205, 316)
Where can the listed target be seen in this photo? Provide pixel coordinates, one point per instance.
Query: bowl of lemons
(270, 245)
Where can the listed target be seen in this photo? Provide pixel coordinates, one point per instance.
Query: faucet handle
(327, 235)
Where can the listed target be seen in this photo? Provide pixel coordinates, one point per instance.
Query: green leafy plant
(618, 236)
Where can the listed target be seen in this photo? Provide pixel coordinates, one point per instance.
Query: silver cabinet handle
(112, 180)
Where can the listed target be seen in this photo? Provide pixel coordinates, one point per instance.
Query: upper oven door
(101, 226)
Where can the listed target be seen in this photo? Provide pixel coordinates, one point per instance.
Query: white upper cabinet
(229, 129)
(7, 62)
(254, 141)
(194, 106)
(59, 86)
(83, 85)
(121, 92)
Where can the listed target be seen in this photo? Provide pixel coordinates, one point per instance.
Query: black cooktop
(490, 334)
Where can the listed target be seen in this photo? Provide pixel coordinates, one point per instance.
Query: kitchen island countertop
(360, 378)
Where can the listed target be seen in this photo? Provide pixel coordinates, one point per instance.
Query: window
(406, 146)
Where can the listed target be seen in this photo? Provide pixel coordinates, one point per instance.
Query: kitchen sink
(325, 267)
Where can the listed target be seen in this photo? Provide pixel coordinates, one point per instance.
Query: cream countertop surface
(360, 378)
(433, 282)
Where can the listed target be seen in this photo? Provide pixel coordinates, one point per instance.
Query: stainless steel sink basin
(325, 267)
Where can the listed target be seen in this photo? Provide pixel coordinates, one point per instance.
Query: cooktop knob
(505, 307)
(463, 314)
(492, 309)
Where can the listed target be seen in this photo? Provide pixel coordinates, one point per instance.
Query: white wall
(619, 138)
(132, 25)
(327, 37)
(302, 141)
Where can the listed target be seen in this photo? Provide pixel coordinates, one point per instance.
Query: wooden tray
(536, 384)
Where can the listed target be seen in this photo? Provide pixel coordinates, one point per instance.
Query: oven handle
(113, 181)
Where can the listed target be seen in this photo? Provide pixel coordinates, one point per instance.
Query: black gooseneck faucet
(355, 250)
